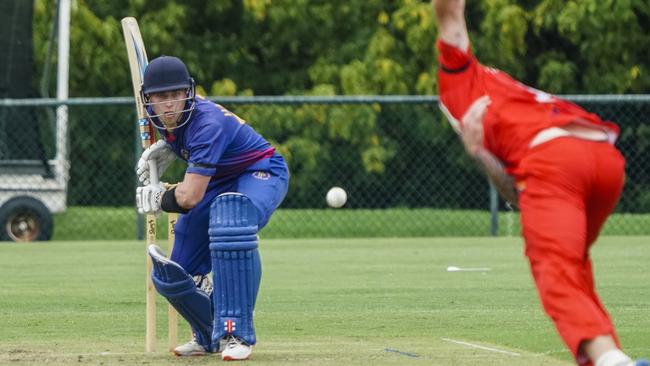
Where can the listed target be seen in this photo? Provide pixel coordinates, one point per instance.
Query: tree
(343, 47)
(356, 47)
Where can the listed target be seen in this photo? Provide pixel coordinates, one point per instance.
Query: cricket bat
(138, 62)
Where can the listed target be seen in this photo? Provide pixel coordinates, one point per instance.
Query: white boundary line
(481, 347)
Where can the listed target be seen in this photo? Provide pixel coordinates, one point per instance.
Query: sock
(614, 357)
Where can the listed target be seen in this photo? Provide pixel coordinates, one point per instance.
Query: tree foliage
(266, 47)
(350, 47)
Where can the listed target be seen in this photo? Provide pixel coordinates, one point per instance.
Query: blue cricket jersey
(217, 143)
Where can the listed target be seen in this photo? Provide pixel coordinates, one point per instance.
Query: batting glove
(148, 199)
(160, 153)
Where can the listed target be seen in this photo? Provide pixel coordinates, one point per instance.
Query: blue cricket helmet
(165, 73)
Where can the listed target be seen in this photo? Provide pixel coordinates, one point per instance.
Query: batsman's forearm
(493, 168)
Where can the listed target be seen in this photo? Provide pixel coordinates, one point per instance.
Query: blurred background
(344, 89)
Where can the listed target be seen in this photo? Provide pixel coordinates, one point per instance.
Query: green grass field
(101, 223)
(322, 302)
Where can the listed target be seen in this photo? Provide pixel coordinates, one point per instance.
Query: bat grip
(153, 172)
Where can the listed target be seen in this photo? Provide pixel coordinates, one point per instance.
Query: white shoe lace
(233, 342)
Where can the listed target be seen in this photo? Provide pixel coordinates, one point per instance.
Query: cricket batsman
(233, 183)
(553, 160)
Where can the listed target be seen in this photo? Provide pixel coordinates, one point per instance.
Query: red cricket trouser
(570, 186)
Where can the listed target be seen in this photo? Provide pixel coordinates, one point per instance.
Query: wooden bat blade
(138, 62)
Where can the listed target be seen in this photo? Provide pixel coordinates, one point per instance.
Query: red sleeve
(452, 58)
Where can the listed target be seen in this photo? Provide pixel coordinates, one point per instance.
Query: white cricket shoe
(235, 349)
(191, 348)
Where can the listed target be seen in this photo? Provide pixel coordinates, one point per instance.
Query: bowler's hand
(472, 121)
(148, 199)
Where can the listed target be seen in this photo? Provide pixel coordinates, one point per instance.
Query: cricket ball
(336, 197)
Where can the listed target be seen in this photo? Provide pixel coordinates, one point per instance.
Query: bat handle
(153, 172)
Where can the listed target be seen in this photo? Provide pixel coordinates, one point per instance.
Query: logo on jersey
(261, 175)
(185, 154)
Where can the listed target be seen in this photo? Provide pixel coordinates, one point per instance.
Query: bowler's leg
(555, 226)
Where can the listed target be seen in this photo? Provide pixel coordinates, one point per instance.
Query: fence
(396, 156)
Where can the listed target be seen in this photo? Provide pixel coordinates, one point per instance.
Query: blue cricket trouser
(265, 187)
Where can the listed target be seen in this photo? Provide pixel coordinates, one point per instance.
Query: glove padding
(149, 198)
(161, 153)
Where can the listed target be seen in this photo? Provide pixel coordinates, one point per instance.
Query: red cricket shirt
(517, 112)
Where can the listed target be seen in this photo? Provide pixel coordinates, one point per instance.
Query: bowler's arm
(472, 136)
(496, 173)
(450, 18)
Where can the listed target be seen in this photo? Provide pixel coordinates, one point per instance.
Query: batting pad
(236, 267)
(178, 287)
